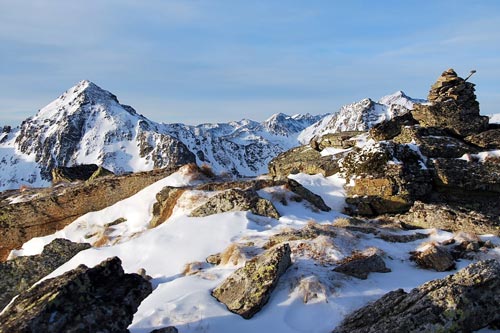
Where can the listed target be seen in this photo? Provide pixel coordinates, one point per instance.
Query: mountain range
(88, 125)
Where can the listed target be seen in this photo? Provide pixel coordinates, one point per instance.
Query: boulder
(340, 140)
(53, 209)
(447, 217)
(98, 299)
(385, 178)
(236, 200)
(460, 174)
(81, 172)
(18, 274)
(310, 231)
(433, 142)
(303, 159)
(360, 264)
(434, 257)
(166, 200)
(169, 329)
(304, 193)
(487, 140)
(248, 289)
(463, 302)
(388, 129)
(453, 107)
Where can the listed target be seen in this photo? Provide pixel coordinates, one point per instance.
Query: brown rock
(487, 140)
(55, 208)
(341, 140)
(360, 264)
(434, 257)
(166, 200)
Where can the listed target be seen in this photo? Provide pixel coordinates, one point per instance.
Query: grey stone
(463, 302)
(360, 264)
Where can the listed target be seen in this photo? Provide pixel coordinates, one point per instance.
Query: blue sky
(220, 60)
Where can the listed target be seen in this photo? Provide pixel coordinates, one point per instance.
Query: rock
(52, 209)
(169, 329)
(360, 264)
(434, 257)
(164, 205)
(393, 238)
(20, 273)
(488, 139)
(385, 178)
(214, 259)
(302, 159)
(340, 140)
(433, 142)
(304, 193)
(98, 299)
(451, 174)
(310, 231)
(453, 107)
(446, 217)
(463, 302)
(248, 289)
(81, 172)
(388, 129)
(255, 184)
(236, 200)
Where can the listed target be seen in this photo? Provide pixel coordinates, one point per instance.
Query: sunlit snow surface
(186, 302)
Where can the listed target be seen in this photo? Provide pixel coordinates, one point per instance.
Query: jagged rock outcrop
(53, 209)
(453, 106)
(248, 289)
(81, 172)
(254, 184)
(236, 200)
(18, 274)
(386, 177)
(466, 175)
(434, 257)
(340, 140)
(98, 299)
(447, 217)
(433, 142)
(164, 205)
(360, 264)
(487, 140)
(310, 231)
(463, 302)
(388, 129)
(303, 159)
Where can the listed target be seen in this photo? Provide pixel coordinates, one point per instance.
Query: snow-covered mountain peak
(400, 98)
(283, 124)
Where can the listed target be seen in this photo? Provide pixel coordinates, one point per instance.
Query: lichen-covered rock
(164, 205)
(304, 193)
(98, 299)
(52, 209)
(385, 178)
(360, 264)
(341, 140)
(434, 257)
(388, 129)
(20, 273)
(255, 184)
(467, 175)
(303, 159)
(463, 302)
(433, 142)
(453, 106)
(310, 231)
(236, 200)
(447, 217)
(81, 172)
(248, 289)
(488, 139)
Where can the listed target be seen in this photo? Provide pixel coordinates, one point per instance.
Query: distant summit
(88, 125)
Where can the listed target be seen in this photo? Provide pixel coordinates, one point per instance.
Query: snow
(481, 156)
(186, 302)
(495, 118)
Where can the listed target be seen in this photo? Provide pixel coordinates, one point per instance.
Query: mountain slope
(360, 116)
(88, 125)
